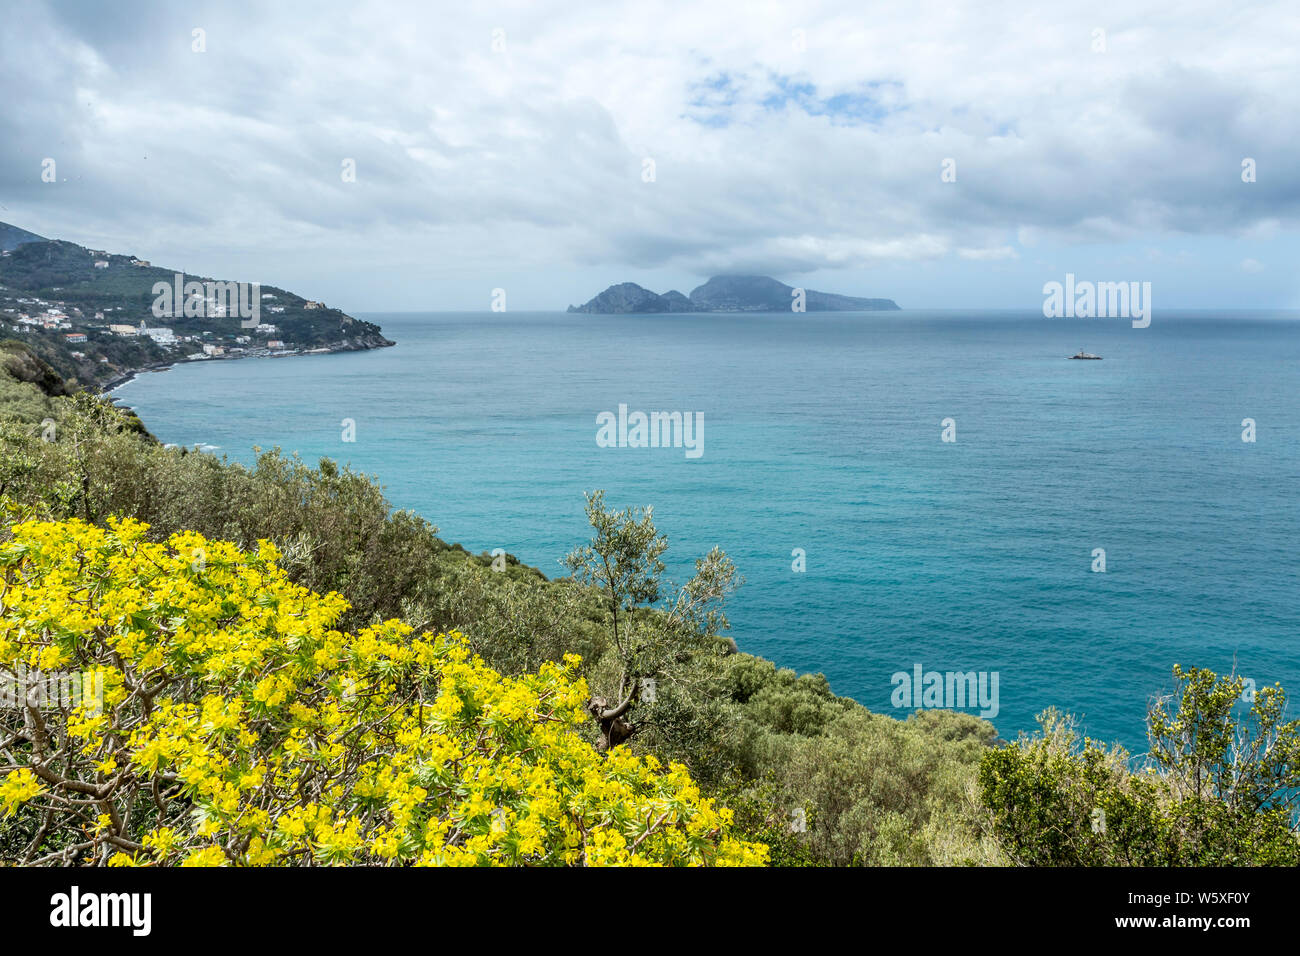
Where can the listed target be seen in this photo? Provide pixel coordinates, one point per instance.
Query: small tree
(1234, 780)
(1219, 786)
(624, 560)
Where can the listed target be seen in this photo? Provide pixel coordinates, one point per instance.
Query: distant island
(726, 294)
(94, 317)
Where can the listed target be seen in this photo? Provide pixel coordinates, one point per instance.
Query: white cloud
(472, 162)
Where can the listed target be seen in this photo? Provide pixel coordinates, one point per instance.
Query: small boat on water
(1085, 355)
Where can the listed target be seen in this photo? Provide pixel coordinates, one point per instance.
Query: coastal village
(26, 314)
(102, 326)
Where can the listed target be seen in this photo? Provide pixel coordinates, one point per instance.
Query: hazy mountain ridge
(11, 237)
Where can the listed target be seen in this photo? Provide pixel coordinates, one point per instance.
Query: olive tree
(657, 631)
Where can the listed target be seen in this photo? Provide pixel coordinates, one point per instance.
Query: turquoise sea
(822, 432)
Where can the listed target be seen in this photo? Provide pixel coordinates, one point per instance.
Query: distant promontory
(96, 318)
(726, 294)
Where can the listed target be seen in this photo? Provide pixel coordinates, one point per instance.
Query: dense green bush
(873, 790)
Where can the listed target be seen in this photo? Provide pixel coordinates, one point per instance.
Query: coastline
(125, 378)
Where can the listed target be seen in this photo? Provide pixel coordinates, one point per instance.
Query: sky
(418, 156)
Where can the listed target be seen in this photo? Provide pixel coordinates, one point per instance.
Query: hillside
(758, 739)
(11, 237)
(81, 311)
(726, 294)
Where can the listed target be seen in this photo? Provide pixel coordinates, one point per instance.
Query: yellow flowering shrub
(231, 723)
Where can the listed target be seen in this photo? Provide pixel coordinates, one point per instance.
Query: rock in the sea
(627, 297)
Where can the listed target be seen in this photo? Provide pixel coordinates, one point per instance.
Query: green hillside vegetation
(101, 360)
(816, 777)
(19, 400)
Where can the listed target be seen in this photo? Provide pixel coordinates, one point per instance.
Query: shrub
(238, 725)
(1219, 787)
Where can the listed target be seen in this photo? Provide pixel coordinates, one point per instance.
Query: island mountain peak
(726, 293)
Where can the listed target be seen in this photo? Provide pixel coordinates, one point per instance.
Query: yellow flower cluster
(18, 787)
(239, 726)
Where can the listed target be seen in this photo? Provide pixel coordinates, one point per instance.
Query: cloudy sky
(509, 146)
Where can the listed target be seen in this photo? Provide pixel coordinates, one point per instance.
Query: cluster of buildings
(161, 334)
(25, 314)
(49, 319)
(29, 314)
